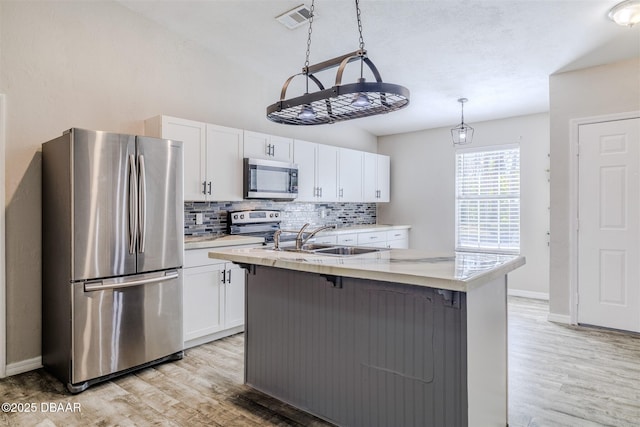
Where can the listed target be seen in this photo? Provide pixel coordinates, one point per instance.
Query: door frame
(574, 126)
(3, 294)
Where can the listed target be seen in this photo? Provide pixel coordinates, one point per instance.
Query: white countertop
(361, 228)
(202, 242)
(220, 241)
(459, 271)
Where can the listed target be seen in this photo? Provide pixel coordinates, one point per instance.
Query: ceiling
(497, 53)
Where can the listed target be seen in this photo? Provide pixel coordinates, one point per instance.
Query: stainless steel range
(256, 223)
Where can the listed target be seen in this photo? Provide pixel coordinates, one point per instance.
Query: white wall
(423, 193)
(97, 65)
(607, 89)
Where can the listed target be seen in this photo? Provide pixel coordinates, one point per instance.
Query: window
(488, 200)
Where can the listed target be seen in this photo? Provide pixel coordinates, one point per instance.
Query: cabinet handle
(342, 192)
(204, 187)
(209, 187)
(229, 277)
(273, 150)
(320, 191)
(224, 276)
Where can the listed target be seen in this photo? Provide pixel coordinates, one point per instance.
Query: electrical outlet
(199, 218)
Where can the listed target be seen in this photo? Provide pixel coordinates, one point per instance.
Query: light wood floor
(558, 376)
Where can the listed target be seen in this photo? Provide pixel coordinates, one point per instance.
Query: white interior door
(609, 224)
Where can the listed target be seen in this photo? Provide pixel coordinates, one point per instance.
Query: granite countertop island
(460, 271)
(395, 337)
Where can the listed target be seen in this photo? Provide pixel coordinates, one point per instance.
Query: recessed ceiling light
(626, 13)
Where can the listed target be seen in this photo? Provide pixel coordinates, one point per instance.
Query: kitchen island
(389, 338)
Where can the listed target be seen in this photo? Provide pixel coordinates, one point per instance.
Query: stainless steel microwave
(269, 179)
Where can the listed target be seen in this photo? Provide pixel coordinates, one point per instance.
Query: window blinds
(488, 200)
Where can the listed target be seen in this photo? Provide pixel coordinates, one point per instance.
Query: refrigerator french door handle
(135, 281)
(133, 204)
(142, 204)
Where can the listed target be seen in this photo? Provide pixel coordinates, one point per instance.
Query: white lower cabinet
(373, 239)
(325, 240)
(348, 239)
(213, 298)
(398, 239)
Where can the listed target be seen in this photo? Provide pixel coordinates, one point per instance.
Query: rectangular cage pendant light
(341, 101)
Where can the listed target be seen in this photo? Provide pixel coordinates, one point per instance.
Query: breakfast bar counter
(393, 337)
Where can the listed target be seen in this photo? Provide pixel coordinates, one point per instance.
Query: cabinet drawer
(397, 234)
(326, 240)
(199, 257)
(347, 239)
(365, 239)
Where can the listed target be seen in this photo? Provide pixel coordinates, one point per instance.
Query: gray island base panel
(362, 352)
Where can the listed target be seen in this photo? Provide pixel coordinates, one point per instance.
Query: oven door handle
(143, 279)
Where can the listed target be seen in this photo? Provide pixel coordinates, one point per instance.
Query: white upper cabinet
(350, 175)
(304, 155)
(327, 167)
(263, 146)
(194, 147)
(317, 171)
(376, 178)
(224, 162)
(212, 157)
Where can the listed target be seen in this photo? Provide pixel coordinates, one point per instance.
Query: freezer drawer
(123, 323)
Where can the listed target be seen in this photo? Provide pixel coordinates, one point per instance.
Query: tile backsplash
(294, 215)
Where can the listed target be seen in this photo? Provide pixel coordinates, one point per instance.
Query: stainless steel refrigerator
(112, 219)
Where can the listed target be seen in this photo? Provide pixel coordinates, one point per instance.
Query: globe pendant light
(341, 101)
(463, 133)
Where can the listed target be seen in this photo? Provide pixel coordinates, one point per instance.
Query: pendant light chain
(359, 24)
(306, 62)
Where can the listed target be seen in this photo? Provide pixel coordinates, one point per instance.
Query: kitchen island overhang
(398, 336)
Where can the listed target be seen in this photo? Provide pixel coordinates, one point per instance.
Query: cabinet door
(224, 162)
(327, 166)
(264, 146)
(369, 177)
(234, 295)
(383, 174)
(304, 155)
(202, 298)
(257, 145)
(281, 148)
(193, 136)
(350, 175)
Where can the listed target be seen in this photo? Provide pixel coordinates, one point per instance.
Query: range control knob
(242, 216)
(235, 216)
(277, 215)
(270, 215)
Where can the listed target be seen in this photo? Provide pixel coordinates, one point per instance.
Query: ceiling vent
(295, 17)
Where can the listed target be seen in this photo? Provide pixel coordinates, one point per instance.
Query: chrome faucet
(300, 240)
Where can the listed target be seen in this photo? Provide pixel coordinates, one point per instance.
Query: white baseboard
(528, 294)
(24, 366)
(559, 318)
(212, 337)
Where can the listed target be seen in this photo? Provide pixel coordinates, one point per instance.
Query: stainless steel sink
(333, 250)
(347, 250)
(310, 247)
